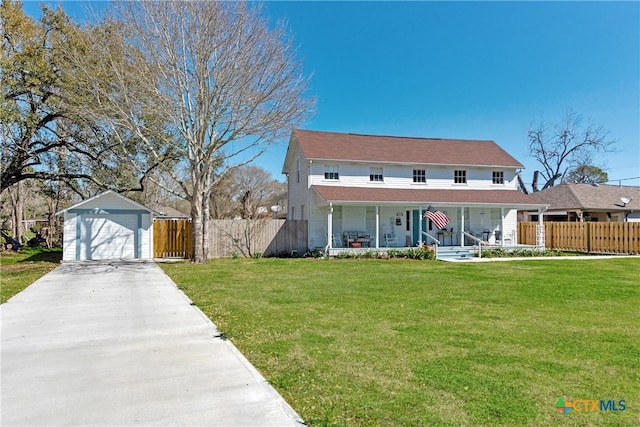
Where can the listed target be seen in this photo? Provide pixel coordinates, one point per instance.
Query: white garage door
(108, 236)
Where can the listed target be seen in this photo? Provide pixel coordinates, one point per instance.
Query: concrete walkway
(116, 343)
(541, 258)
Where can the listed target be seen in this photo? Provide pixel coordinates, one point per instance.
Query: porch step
(454, 252)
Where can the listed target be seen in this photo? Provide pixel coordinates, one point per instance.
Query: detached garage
(107, 226)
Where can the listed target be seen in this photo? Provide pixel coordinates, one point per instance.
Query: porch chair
(499, 238)
(336, 241)
(390, 239)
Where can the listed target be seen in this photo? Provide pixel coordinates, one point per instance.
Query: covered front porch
(376, 219)
(377, 227)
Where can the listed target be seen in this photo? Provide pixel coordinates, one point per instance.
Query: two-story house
(380, 186)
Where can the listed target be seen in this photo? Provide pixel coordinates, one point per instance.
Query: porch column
(540, 230)
(502, 230)
(462, 236)
(330, 226)
(377, 226)
(420, 227)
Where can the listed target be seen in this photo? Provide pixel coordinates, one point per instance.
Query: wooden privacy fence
(595, 237)
(248, 238)
(172, 238)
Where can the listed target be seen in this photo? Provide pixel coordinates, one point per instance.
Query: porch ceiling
(361, 195)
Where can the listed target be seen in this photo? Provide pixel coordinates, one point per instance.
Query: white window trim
(496, 183)
(413, 182)
(327, 169)
(466, 178)
(371, 174)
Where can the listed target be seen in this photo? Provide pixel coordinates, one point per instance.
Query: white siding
(511, 225)
(298, 192)
(401, 176)
(318, 225)
(69, 237)
(147, 237)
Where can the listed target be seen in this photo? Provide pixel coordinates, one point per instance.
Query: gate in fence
(172, 238)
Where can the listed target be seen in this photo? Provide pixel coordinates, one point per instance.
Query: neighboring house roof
(426, 196)
(318, 145)
(169, 212)
(590, 197)
(107, 193)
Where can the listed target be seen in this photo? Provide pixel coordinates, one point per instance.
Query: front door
(415, 227)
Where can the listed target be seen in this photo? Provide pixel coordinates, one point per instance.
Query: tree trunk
(17, 210)
(198, 229)
(206, 218)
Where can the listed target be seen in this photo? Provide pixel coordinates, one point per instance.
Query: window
(331, 172)
(298, 170)
(460, 177)
(419, 175)
(302, 212)
(498, 177)
(293, 212)
(370, 220)
(375, 174)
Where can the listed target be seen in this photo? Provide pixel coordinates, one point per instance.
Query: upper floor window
(375, 174)
(459, 177)
(331, 172)
(298, 170)
(498, 177)
(419, 175)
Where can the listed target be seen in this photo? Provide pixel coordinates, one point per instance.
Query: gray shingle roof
(590, 197)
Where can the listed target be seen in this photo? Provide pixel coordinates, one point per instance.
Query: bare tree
(222, 84)
(566, 146)
(247, 192)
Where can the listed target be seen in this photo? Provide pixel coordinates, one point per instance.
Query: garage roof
(90, 203)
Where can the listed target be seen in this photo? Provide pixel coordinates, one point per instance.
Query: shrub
(412, 253)
(525, 252)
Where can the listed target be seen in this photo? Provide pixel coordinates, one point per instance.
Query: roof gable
(393, 149)
(105, 200)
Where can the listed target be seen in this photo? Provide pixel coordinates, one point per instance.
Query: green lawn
(20, 269)
(400, 342)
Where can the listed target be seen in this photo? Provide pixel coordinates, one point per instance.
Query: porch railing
(437, 242)
(472, 237)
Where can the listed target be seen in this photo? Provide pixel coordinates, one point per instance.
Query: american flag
(438, 218)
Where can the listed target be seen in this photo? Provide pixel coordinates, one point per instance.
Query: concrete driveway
(116, 343)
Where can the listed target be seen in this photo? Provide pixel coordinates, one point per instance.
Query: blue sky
(473, 70)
